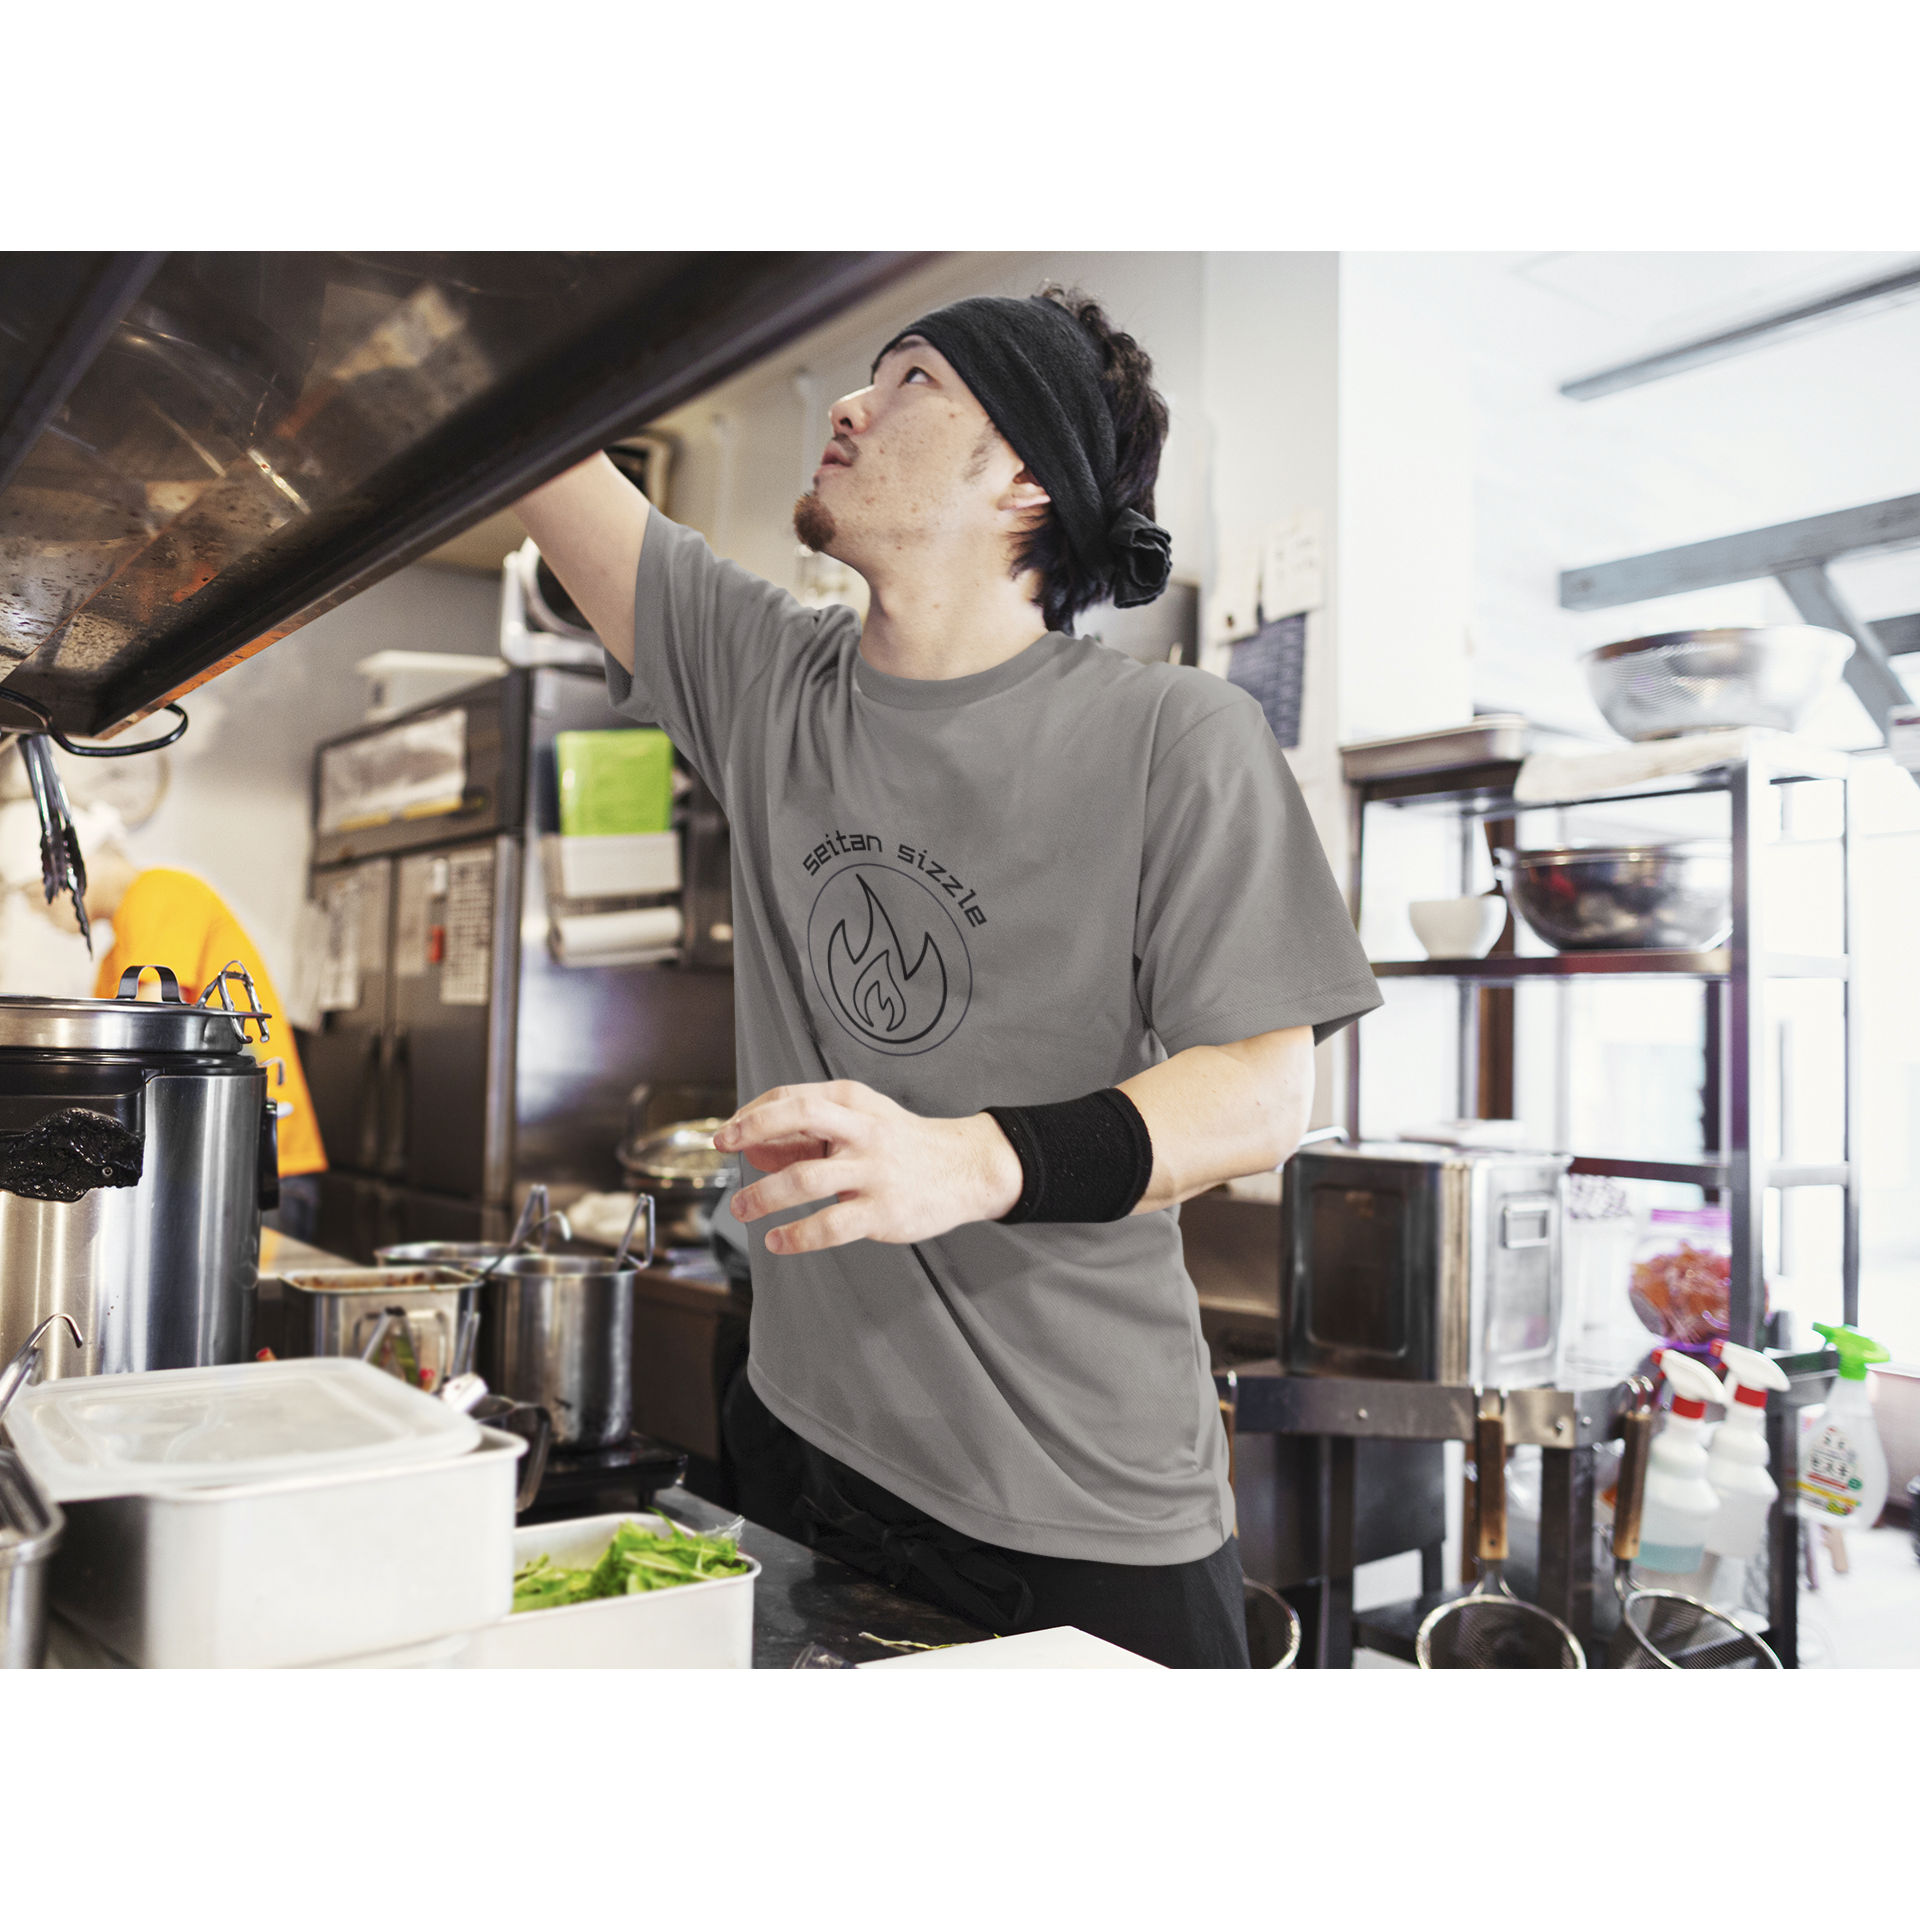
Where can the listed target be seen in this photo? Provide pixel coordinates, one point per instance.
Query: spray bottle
(1738, 1470)
(1680, 1505)
(1843, 1467)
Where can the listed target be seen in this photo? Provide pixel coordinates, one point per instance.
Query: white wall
(1406, 493)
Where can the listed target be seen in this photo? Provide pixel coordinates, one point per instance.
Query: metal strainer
(1658, 1628)
(1489, 1627)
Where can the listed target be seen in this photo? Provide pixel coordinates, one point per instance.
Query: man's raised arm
(589, 523)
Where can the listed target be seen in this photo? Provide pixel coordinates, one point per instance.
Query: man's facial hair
(813, 522)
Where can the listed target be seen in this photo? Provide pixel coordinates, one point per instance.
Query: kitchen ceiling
(1648, 300)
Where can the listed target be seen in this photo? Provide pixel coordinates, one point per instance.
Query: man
(1032, 943)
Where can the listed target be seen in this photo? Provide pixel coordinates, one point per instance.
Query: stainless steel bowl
(1591, 899)
(1675, 683)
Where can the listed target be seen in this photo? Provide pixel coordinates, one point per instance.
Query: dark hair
(1140, 429)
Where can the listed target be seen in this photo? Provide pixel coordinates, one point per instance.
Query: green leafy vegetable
(637, 1560)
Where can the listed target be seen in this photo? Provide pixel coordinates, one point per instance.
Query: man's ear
(1025, 494)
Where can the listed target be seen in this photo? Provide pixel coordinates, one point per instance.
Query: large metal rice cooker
(137, 1148)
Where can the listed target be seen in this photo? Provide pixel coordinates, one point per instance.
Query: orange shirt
(170, 919)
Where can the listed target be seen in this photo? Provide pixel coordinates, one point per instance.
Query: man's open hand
(897, 1177)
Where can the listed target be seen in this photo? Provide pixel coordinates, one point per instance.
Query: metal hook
(17, 1369)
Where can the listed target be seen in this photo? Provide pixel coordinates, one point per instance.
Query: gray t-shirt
(1007, 889)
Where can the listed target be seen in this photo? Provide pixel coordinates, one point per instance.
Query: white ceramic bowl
(1458, 929)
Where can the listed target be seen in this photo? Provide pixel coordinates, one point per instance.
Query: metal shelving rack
(1566, 1423)
(1741, 1169)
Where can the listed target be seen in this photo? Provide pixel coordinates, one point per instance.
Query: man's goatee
(813, 523)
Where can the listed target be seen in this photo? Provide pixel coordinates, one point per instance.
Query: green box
(615, 780)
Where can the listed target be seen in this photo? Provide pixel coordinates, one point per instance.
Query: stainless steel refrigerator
(459, 1058)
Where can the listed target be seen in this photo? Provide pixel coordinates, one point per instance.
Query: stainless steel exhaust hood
(200, 452)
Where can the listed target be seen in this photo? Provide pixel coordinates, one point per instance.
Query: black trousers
(1192, 1615)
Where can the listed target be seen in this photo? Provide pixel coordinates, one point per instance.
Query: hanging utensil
(14, 1376)
(62, 870)
(1489, 1627)
(1658, 1628)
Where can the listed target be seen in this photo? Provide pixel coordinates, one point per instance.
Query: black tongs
(62, 870)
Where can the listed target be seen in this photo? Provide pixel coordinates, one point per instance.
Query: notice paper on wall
(340, 963)
(1292, 569)
(1232, 610)
(469, 924)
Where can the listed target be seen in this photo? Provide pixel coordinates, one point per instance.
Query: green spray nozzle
(1855, 1349)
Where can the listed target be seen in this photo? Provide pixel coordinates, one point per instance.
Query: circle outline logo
(870, 983)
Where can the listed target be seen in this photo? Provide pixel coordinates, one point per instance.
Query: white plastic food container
(109, 1434)
(281, 1515)
(707, 1623)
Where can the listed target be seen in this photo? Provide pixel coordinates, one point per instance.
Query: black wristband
(1082, 1160)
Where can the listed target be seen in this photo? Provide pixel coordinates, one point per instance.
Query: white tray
(707, 1623)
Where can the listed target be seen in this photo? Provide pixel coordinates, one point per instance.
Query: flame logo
(882, 997)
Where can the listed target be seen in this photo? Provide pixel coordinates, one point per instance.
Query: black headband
(1036, 370)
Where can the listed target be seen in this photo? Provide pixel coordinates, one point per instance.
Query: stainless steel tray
(1493, 736)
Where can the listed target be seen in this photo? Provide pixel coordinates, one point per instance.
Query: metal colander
(1489, 1627)
(1658, 1628)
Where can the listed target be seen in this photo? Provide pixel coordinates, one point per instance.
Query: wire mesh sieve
(1659, 1629)
(1489, 1627)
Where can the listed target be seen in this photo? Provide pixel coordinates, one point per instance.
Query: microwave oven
(1407, 1262)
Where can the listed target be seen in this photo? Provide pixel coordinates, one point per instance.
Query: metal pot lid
(408, 1279)
(461, 1255)
(680, 1158)
(117, 1026)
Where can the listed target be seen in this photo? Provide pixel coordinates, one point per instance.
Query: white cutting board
(1051, 1647)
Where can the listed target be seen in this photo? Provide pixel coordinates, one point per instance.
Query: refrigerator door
(443, 988)
(345, 1061)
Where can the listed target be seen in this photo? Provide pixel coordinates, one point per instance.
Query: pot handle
(1490, 1477)
(534, 1424)
(1636, 1426)
(533, 1463)
(644, 1203)
(129, 987)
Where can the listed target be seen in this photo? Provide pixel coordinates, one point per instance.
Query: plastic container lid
(1698, 1217)
(89, 1439)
